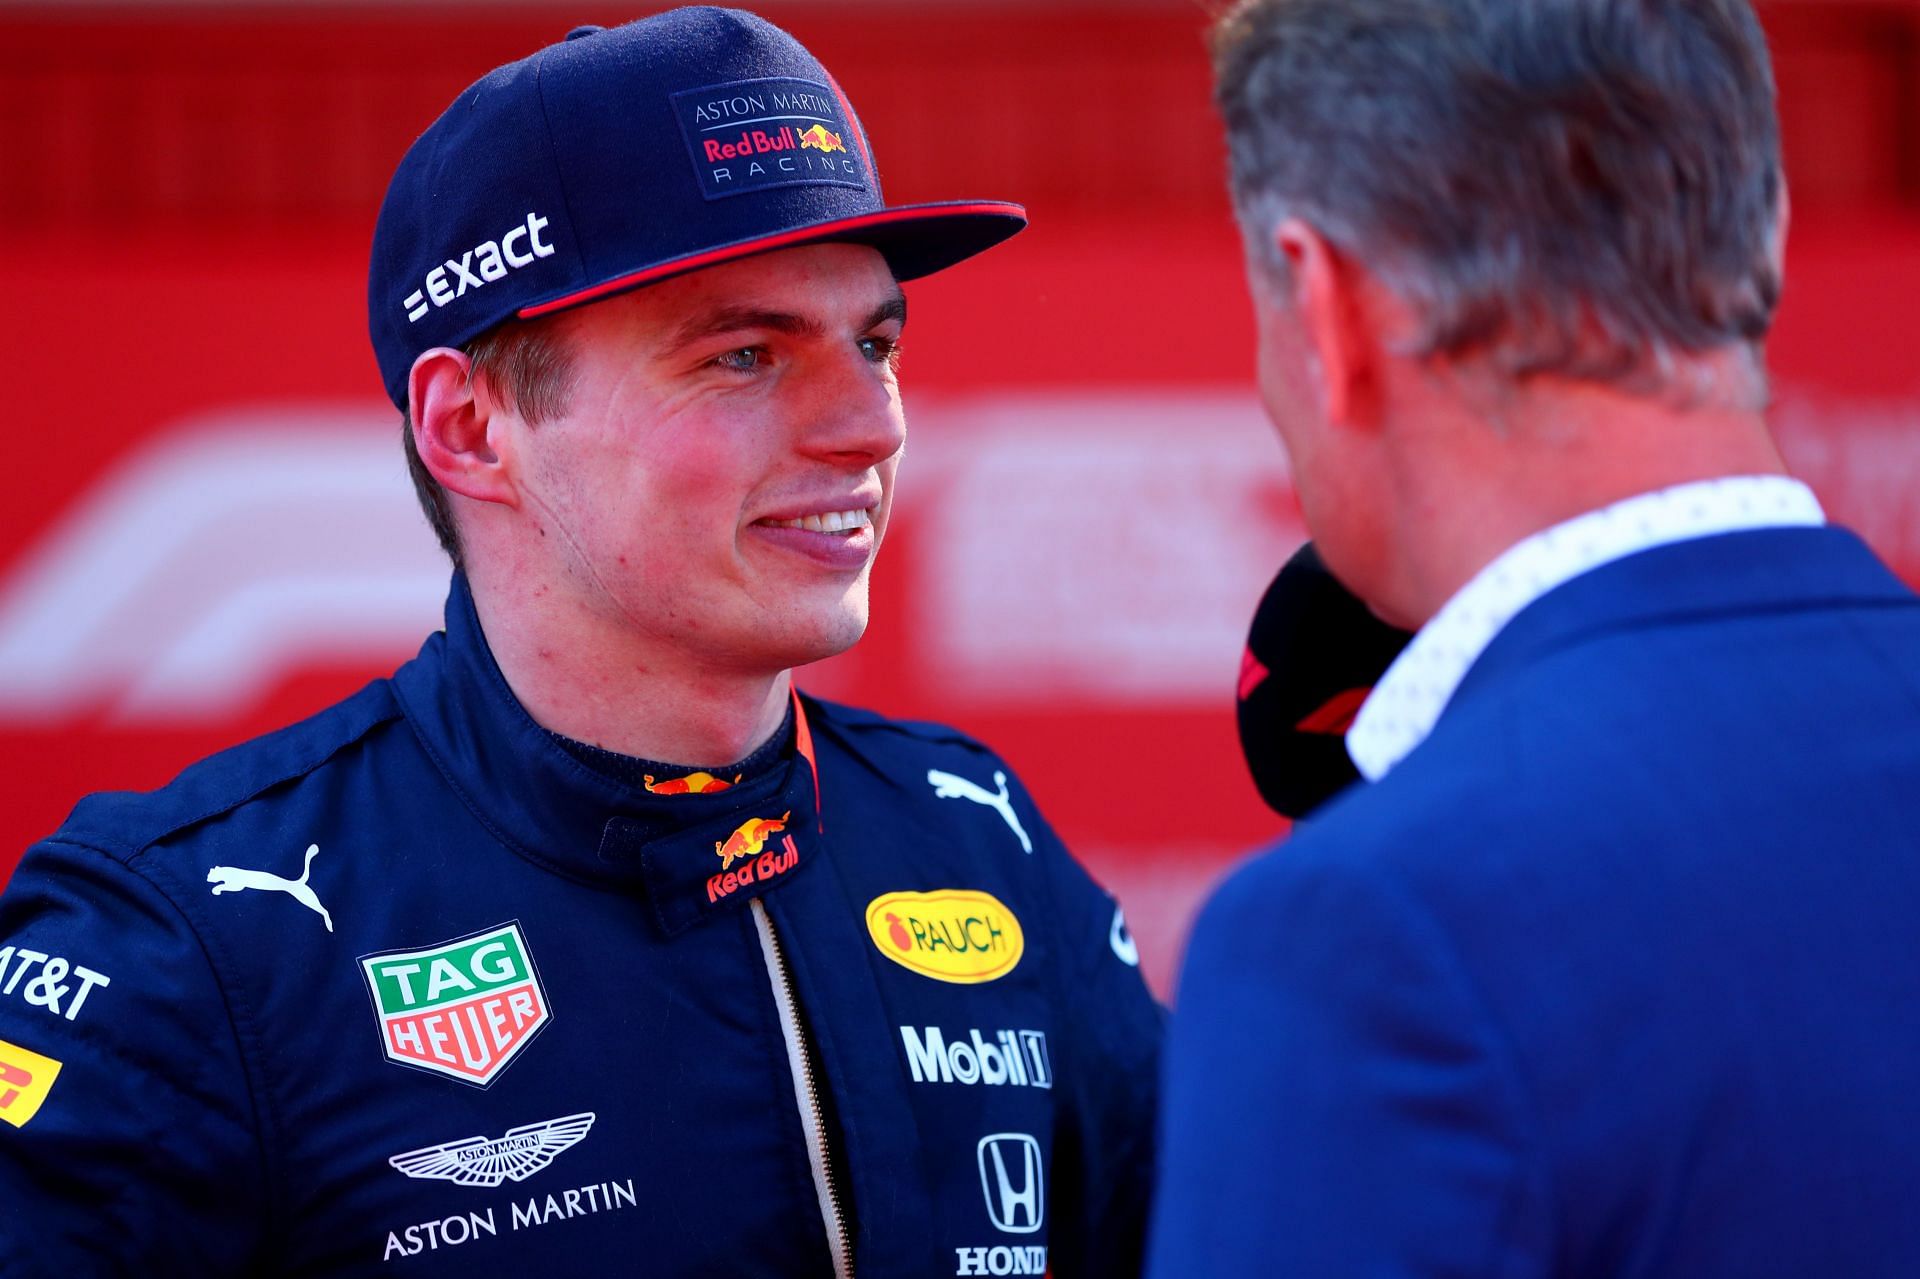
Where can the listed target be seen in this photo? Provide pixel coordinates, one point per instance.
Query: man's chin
(802, 640)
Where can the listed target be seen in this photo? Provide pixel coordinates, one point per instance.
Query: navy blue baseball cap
(623, 156)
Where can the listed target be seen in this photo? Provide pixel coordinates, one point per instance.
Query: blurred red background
(209, 530)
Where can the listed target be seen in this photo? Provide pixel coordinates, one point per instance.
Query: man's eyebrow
(733, 319)
(894, 308)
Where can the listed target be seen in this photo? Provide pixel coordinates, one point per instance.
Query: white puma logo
(1120, 937)
(234, 879)
(947, 786)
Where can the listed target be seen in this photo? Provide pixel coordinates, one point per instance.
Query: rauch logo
(952, 934)
(464, 1008)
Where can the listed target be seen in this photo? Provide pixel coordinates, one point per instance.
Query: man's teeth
(831, 522)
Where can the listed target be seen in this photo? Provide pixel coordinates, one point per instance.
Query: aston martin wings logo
(482, 1161)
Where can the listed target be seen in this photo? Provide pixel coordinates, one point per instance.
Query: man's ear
(1333, 315)
(460, 428)
(1777, 239)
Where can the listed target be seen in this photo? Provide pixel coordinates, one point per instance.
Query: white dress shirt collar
(1407, 702)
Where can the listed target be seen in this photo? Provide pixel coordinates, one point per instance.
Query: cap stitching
(553, 157)
(859, 132)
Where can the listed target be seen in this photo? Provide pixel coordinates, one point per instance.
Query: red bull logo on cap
(755, 134)
(820, 139)
(752, 142)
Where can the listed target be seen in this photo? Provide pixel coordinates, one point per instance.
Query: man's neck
(588, 680)
(1570, 451)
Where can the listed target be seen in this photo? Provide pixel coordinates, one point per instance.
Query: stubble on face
(708, 410)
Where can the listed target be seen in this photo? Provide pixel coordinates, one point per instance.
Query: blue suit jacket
(1617, 974)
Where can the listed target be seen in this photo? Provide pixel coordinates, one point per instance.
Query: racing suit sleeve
(1107, 1080)
(126, 1122)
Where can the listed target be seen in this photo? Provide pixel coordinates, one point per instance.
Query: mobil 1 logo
(463, 1008)
(1016, 1058)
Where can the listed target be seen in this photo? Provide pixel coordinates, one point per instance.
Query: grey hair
(1582, 187)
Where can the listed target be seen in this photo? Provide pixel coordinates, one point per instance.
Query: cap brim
(917, 240)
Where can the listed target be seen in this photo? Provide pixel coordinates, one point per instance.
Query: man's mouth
(844, 522)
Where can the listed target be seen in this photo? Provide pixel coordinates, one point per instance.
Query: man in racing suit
(459, 974)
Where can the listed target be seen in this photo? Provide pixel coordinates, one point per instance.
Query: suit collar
(1410, 697)
(1731, 575)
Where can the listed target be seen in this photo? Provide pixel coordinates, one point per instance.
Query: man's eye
(746, 359)
(881, 350)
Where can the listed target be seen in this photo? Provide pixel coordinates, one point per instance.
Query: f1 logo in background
(1013, 1182)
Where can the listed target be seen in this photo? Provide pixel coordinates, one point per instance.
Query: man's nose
(853, 415)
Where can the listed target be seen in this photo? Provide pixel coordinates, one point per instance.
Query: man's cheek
(687, 473)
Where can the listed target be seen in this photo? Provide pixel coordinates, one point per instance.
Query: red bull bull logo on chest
(764, 866)
(749, 839)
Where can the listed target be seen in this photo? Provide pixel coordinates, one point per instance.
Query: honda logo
(1011, 1179)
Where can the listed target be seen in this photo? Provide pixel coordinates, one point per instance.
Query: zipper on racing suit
(806, 1091)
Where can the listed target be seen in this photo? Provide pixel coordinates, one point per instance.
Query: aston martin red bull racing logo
(464, 1008)
(753, 134)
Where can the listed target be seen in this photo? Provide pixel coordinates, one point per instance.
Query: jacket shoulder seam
(165, 826)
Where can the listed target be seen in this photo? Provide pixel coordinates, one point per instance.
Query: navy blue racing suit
(412, 988)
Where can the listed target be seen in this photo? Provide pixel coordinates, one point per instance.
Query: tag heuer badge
(464, 1008)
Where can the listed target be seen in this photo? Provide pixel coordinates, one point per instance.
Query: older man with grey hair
(1611, 970)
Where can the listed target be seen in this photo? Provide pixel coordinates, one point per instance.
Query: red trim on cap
(800, 235)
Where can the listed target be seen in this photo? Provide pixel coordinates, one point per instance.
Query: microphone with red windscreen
(1313, 654)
